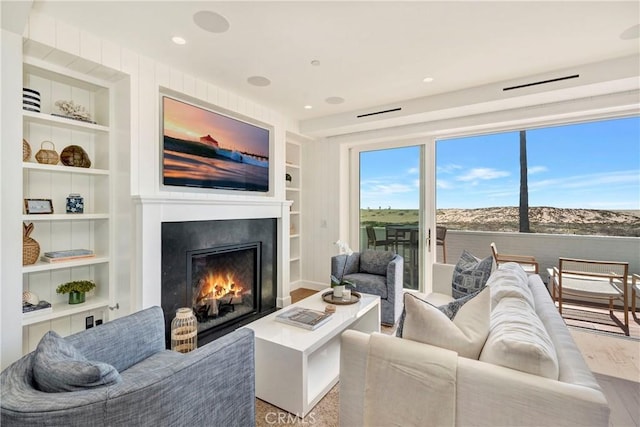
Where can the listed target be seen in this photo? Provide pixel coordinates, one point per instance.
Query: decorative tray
(328, 297)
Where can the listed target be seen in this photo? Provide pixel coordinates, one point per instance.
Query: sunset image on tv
(209, 150)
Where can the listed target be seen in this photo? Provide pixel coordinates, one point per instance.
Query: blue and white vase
(75, 204)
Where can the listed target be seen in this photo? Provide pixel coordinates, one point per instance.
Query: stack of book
(36, 309)
(304, 317)
(72, 254)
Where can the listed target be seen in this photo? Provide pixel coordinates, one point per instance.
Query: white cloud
(450, 168)
(536, 169)
(413, 171)
(482, 174)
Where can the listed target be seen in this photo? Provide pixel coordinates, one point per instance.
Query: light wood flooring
(613, 358)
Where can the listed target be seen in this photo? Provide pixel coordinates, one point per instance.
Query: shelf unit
(92, 229)
(294, 193)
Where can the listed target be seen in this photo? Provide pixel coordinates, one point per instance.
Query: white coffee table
(296, 367)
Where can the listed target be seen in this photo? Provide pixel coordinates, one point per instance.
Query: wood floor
(613, 358)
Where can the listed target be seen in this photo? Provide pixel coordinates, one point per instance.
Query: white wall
(11, 184)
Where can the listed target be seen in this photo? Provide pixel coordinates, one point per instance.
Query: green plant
(76, 286)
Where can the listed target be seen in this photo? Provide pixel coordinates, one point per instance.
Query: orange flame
(217, 286)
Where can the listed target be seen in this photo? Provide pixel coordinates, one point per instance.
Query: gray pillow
(470, 274)
(59, 366)
(375, 262)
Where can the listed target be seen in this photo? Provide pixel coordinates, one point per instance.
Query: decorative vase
(184, 331)
(338, 290)
(76, 297)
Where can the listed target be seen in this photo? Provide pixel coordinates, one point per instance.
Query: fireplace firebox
(225, 270)
(224, 281)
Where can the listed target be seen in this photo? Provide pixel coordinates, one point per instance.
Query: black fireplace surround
(182, 240)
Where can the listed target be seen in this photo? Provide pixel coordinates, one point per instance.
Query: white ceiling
(370, 53)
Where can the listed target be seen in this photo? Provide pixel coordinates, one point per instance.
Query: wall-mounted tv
(206, 149)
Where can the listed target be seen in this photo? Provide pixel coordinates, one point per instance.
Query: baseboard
(316, 286)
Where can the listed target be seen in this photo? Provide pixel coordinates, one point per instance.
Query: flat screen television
(206, 149)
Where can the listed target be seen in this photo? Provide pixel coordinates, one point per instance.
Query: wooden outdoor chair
(593, 279)
(374, 242)
(441, 234)
(528, 263)
(635, 290)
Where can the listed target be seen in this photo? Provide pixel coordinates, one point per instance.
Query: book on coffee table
(303, 317)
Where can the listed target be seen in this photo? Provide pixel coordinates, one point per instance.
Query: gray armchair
(374, 272)
(212, 385)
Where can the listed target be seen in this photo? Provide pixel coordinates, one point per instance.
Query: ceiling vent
(541, 82)
(379, 112)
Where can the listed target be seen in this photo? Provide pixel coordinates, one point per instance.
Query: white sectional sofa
(484, 394)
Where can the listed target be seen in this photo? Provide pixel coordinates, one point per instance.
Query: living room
(38, 35)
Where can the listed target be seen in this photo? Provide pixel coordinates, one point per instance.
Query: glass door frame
(427, 202)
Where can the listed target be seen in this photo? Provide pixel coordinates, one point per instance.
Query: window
(580, 179)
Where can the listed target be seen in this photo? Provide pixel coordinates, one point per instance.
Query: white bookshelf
(293, 163)
(92, 229)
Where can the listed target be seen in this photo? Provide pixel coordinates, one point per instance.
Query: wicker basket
(46, 156)
(30, 248)
(26, 150)
(74, 155)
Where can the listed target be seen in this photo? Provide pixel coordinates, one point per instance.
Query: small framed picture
(38, 206)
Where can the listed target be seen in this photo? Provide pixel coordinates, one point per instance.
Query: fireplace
(225, 270)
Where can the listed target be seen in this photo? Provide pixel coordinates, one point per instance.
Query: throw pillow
(375, 262)
(510, 280)
(59, 366)
(470, 274)
(518, 340)
(465, 332)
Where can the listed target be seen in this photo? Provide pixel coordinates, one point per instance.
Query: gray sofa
(377, 273)
(213, 385)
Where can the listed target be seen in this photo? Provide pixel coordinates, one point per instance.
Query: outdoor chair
(374, 242)
(635, 290)
(592, 279)
(441, 234)
(528, 263)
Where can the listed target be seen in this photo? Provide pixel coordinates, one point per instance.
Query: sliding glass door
(390, 205)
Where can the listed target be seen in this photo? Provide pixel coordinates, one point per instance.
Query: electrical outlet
(88, 322)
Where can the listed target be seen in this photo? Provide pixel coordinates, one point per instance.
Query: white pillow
(510, 280)
(465, 334)
(518, 340)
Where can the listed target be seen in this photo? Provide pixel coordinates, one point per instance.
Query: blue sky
(592, 165)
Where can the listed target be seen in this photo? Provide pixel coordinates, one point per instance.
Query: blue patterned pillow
(470, 274)
(59, 366)
(375, 262)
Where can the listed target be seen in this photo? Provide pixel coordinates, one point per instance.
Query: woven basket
(26, 150)
(30, 248)
(74, 155)
(46, 156)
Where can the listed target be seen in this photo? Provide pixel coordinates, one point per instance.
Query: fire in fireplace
(224, 283)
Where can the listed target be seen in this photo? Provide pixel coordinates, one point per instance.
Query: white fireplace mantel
(151, 211)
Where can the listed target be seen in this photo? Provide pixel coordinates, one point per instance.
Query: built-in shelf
(293, 189)
(48, 119)
(65, 169)
(293, 162)
(46, 266)
(64, 217)
(64, 309)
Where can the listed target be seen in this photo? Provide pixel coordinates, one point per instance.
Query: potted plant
(76, 290)
(339, 284)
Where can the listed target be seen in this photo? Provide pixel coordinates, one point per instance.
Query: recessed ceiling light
(334, 100)
(259, 81)
(631, 33)
(315, 62)
(178, 40)
(428, 79)
(308, 107)
(211, 21)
